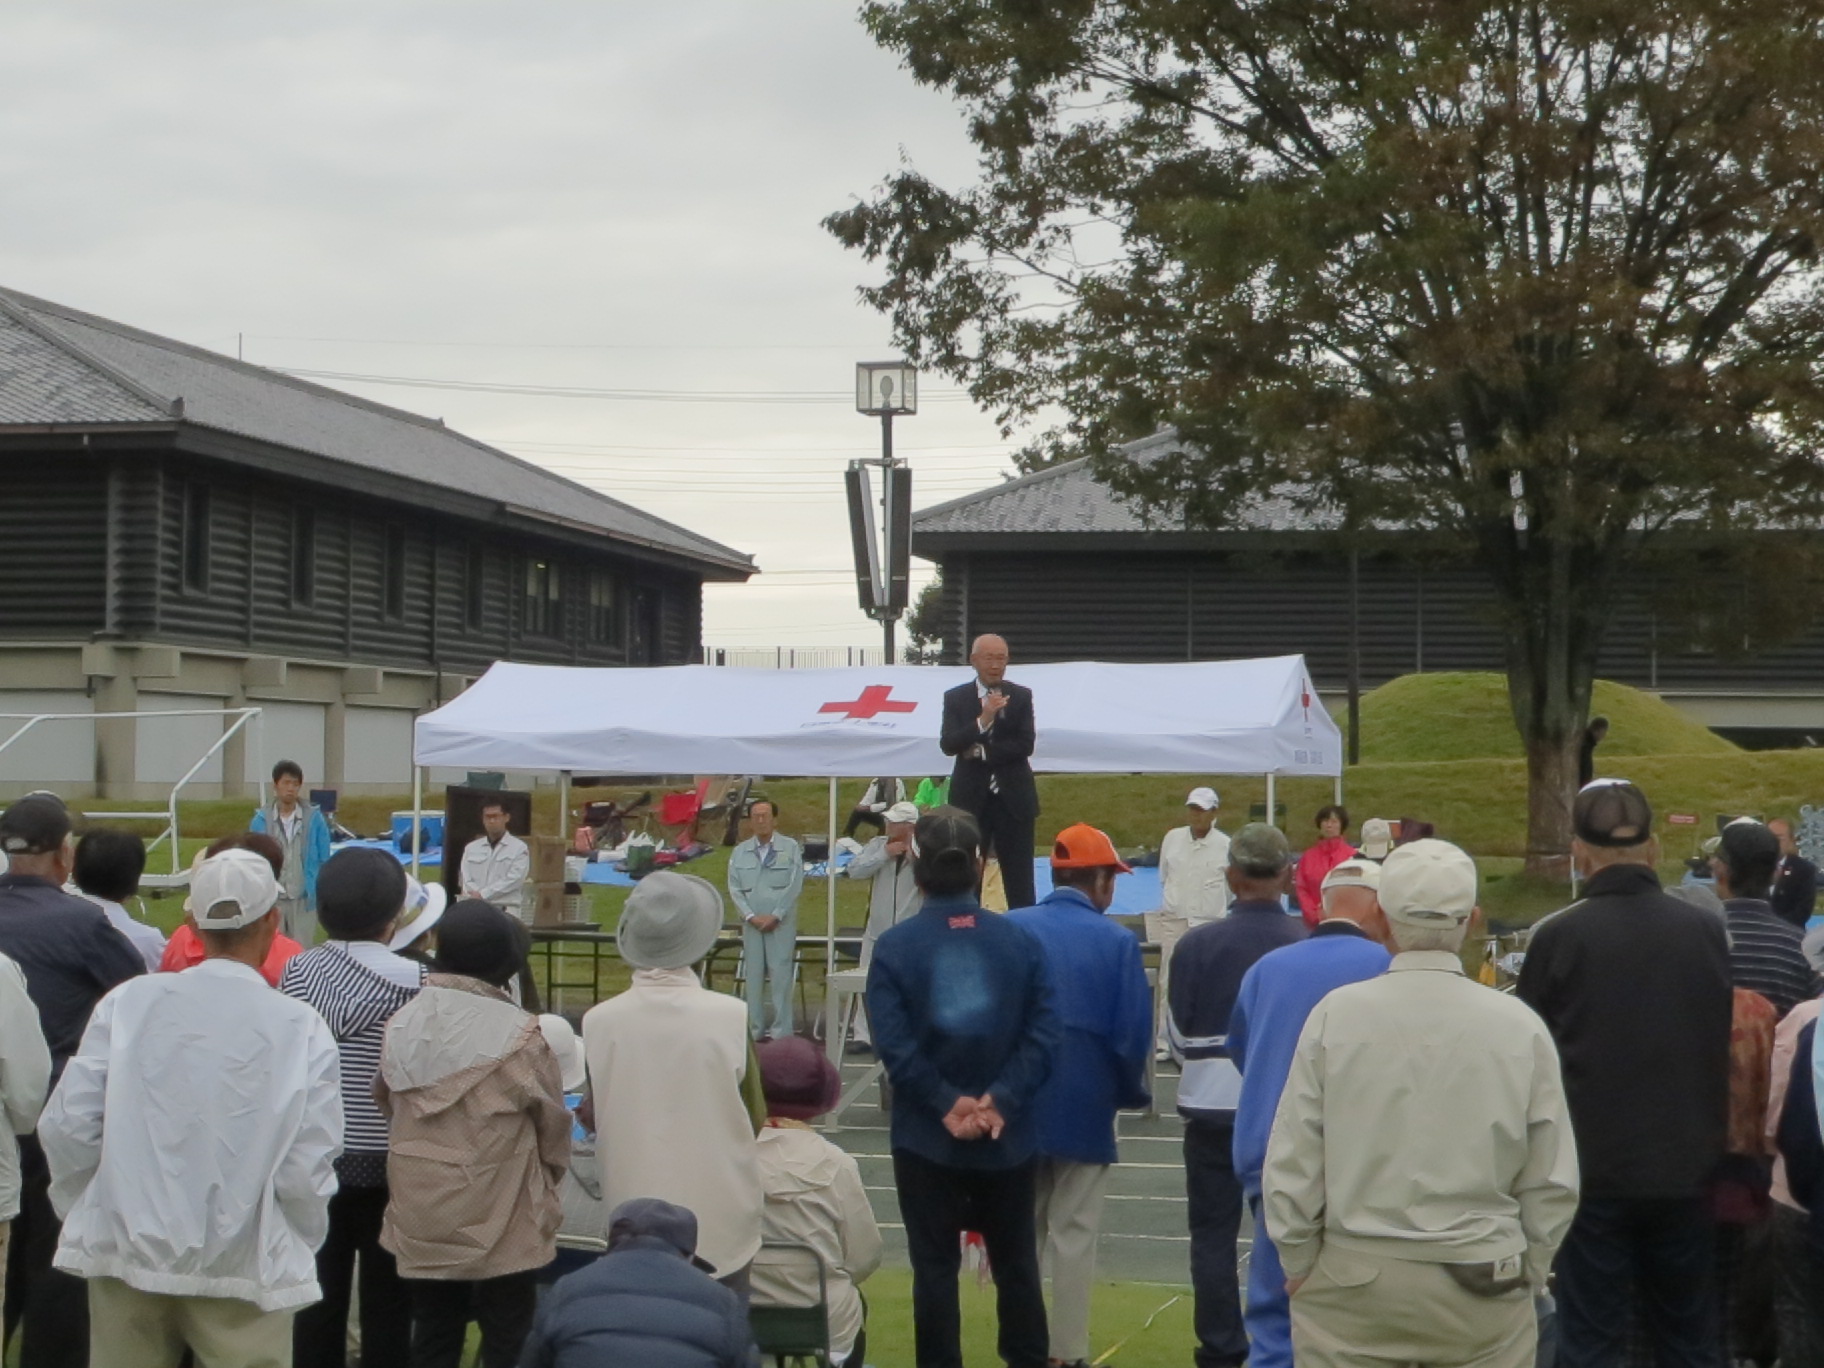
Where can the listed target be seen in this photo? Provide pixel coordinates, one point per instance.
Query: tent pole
(1270, 805)
(563, 806)
(1338, 800)
(829, 942)
(417, 807)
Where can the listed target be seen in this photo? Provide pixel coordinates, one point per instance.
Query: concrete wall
(379, 749)
(51, 754)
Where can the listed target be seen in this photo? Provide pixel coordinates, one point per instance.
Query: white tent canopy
(1212, 717)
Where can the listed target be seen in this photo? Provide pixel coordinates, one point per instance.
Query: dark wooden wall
(1204, 605)
(66, 522)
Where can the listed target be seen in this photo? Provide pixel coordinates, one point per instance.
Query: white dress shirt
(497, 873)
(192, 1139)
(148, 940)
(1194, 875)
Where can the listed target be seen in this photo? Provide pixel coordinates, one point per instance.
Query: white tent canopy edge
(1202, 717)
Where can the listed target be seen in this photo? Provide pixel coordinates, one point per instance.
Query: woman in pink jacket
(1330, 851)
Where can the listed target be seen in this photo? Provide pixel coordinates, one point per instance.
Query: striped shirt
(1766, 954)
(356, 1002)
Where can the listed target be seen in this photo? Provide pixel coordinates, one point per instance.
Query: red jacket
(185, 948)
(1316, 862)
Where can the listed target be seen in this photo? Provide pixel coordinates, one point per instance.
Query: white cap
(902, 812)
(1377, 838)
(232, 890)
(560, 1035)
(1428, 883)
(1203, 797)
(1357, 873)
(424, 907)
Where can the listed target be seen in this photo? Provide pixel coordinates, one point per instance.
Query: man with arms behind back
(1634, 986)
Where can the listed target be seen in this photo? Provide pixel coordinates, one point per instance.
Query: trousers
(1268, 1315)
(1798, 1290)
(1661, 1250)
(938, 1204)
(134, 1329)
(441, 1311)
(321, 1332)
(769, 959)
(1164, 929)
(1372, 1311)
(48, 1307)
(298, 919)
(1067, 1219)
(1010, 838)
(1214, 1199)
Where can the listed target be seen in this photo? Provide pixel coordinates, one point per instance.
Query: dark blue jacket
(1105, 1010)
(641, 1304)
(960, 1005)
(71, 954)
(1207, 969)
(1277, 994)
(1799, 1139)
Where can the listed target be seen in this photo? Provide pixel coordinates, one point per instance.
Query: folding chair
(794, 1334)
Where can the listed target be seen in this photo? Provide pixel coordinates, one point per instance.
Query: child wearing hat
(814, 1195)
(480, 1142)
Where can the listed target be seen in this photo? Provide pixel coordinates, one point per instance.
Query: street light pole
(882, 389)
(886, 504)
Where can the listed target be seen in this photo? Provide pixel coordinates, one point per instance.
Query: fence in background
(793, 657)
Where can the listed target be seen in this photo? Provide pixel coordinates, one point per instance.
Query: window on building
(544, 598)
(474, 585)
(393, 572)
(604, 609)
(196, 537)
(303, 557)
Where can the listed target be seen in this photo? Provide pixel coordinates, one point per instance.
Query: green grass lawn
(1138, 1325)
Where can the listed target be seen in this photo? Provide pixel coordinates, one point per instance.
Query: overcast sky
(614, 194)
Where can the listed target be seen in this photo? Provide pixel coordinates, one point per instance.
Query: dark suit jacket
(1795, 890)
(1008, 743)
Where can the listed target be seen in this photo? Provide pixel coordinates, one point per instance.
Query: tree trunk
(1558, 599)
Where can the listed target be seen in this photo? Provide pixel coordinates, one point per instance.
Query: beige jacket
(814, 1197)
(1423, 1119)
(1785, 1046)
(667, 1062)
(480, 1135)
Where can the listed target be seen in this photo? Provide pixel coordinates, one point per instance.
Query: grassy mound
(1426, 717)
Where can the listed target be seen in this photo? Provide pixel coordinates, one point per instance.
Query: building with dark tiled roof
(1066, 569)
(183, 530)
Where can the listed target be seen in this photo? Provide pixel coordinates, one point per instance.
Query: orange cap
(1084, 847)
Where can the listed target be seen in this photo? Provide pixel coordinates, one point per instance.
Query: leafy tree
(1539, 275)
(925, 626)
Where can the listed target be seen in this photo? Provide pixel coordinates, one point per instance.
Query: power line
(657, 396)
(571, 346)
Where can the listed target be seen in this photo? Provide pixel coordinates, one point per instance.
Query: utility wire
(588, 392)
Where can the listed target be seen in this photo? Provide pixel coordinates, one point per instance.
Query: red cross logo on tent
(874, 701)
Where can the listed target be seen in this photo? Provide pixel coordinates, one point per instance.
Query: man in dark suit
(1795, 880)
(988, 728)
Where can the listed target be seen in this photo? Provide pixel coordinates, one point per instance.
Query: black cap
(478, 940)
(659, 1220)
(1611, 813)
(35, 825)
(359, 890)
(1746, 844)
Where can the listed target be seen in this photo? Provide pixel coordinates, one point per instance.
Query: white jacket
(497, 873)
(1193, 875)
(814, 1197)
(1424, 1119)
(25, 1076)
(191, 1141)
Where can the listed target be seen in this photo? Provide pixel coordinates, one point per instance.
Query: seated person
(185, 948)
(648, 1300)
(814, 1196)
(871, 809)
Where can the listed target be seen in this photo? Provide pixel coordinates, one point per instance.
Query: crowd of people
(322, 1111)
